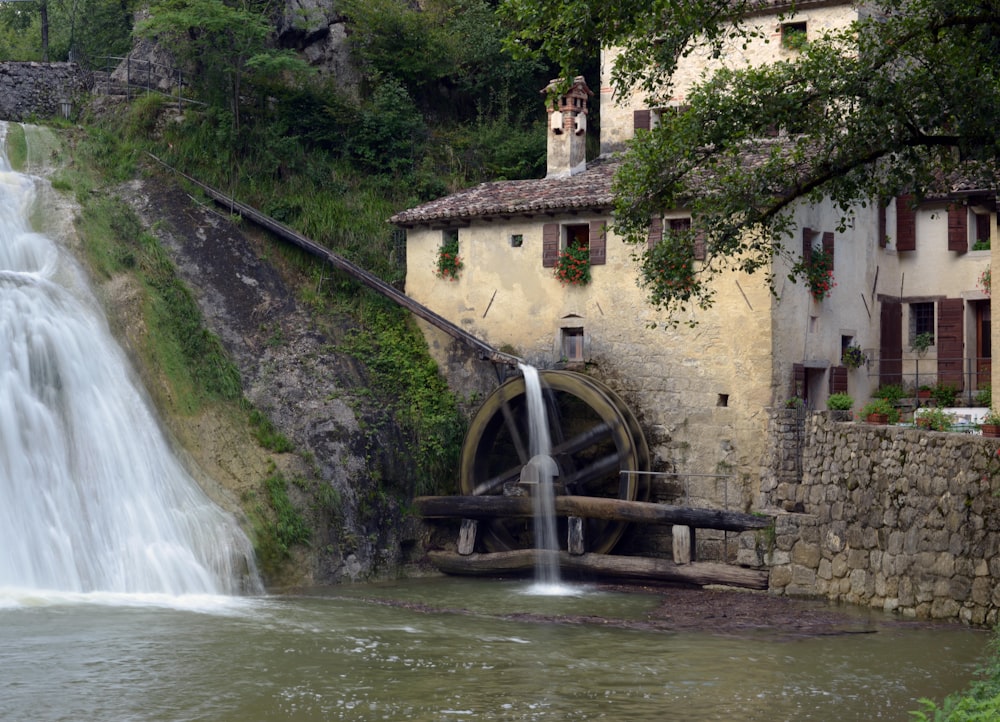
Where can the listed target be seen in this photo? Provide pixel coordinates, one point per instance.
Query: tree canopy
(904, 98)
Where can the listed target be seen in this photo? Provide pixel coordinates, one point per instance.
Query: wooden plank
(590, 507)
(681, 544)
(467, 536)
(575, 541)
(522, 562)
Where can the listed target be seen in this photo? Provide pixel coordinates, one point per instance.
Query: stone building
(701, 387)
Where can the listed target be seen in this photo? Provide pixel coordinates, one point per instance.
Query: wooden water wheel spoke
(595, 439)
(514, 430)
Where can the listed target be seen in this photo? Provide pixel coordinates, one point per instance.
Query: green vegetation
(979, 703)
(890, 392)
(935, 420)
(278, 525)
(17, 147)
(839, 402)
(880, 407)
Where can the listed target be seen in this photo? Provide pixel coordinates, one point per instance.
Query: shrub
(880, 406)
(890, 392)
(984, 396)
(935, 420)
(839, 402)
(944, 394)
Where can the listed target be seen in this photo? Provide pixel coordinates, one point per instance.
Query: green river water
(455, 650)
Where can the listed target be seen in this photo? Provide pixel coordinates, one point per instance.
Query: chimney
(567, 128)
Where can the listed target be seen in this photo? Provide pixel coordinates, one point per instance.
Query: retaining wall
(39, 89)
(897, 518)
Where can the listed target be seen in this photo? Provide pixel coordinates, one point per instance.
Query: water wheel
(595, 437)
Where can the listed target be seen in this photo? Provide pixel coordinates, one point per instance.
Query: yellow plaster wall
(700, 392)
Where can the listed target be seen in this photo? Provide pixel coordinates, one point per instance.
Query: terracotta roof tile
(587, 190)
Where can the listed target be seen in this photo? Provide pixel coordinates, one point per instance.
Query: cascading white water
(92, 498)
(544, 470)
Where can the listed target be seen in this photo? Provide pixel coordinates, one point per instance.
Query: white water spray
(541, 470)
(92, 499)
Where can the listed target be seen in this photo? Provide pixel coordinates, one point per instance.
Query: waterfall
(542, 469)
(92, 498)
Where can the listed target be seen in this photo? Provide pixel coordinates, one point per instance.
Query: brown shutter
(882, 207)
(838, 380)
(828, 246)
(655, 231)
(598, 243)
(906, 224)
(949, 341)
(958, 228)
(890, 359)
(550, 245)
(807, 246)
(641, 119)
(700, 249)
(798, 381)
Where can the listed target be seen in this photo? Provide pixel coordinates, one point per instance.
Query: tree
(225, 44)
(906, 97)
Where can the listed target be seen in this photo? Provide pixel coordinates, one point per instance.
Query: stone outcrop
(40, 89)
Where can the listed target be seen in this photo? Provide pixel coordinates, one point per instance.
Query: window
(921, 319)
(576, 236)
(516, 240)
(793, 36)
(572, 344)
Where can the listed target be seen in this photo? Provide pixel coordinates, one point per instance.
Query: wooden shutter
(890, 358)
(641, 119)
(655, 231)
(958, 228)
(828, 246)
(798, 381)
(807, 246)
(882, 208)
(838, 380)
(906, 224)
(950, 341)
(700, 249)
(550, 245)
(598, 243)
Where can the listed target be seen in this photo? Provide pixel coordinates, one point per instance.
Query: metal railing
(143, 76)
(968, 375)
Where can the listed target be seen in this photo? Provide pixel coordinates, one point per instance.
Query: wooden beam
(590, 507)
(637, 568)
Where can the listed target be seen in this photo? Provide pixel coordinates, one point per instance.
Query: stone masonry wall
(891, 517)
(37, 89)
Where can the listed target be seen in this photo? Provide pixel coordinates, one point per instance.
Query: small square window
(572, 344)
(793, 36)
(516, 240)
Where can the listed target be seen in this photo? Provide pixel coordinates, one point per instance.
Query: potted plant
(935, 420)
(921, 342)
(853, 357)
(449, 263)
(944, 395)
(924, 392)
(990, 424)
(573, 266)
(880, 411)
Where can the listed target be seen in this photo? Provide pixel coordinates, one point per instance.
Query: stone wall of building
(40, 89)
(896, 518)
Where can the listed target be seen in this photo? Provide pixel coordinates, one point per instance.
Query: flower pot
(924, 394)
(991, 430)
(878, 418)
